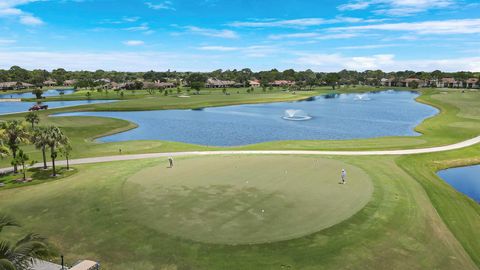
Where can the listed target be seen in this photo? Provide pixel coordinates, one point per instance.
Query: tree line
(309, 77)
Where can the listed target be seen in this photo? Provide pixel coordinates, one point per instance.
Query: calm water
(47, 93)
(14, 107)
(464, 179)
(345, 116)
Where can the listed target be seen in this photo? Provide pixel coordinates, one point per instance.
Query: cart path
(119, 157)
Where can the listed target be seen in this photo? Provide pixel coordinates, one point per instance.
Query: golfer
(344, 176)
(170, 161)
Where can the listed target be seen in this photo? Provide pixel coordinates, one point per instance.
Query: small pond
(329, 117)
(15, 107)
(464, 179)
(46, 93)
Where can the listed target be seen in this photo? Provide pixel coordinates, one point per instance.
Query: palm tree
(19, 255)
(66, 151)
(32, 118)
(56, 139)
(3, 149)
(21, 159)
(14, 133)
(40, 140)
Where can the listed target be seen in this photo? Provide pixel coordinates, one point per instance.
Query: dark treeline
(37, 77)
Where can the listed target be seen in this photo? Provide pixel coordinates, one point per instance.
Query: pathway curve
(455, 146)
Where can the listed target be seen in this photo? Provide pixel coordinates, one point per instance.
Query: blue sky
(204, 35)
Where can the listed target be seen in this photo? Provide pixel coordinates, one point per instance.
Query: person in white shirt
(344, 176)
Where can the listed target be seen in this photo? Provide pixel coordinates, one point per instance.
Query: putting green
(245, 199)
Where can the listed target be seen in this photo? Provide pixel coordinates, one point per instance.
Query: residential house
(254, 83)
(449, 83)
(69, 82)
(214, 83)
(49, 83)
(409, 82)
(391, 82)
(279, 83)
(473, 83)
(14, 85)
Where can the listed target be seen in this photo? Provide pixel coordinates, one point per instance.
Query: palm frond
(6, 265)
(6, 221)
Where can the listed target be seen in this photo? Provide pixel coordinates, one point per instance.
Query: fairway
(245, 199)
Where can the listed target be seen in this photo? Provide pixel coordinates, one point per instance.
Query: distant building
(158, 85)
(14, 85)
(214, 83)
(391, 82)
(69, 82)
(255, 83)
(410, 81)
(278, 83)
(473, 83)
(49, 83)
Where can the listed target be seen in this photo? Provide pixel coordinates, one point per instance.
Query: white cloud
(397, 7)
(255, 51)
(313, 35)
(212, 32)
(368, 47)
(9, 8)
(465, 26)
(167, 5)
(134, 42)
(218, 48)
(113, 60)
(7, 41)
(141, 27)
(386, 62)
(30, 20)
(300, 23)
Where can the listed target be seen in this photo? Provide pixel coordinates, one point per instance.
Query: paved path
(455, 146)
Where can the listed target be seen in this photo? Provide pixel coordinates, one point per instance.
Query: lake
(464, 179)
(46, 93)
(333, 117)
(15, 107)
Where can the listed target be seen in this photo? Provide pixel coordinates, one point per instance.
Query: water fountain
(362, 97)
(296, 115)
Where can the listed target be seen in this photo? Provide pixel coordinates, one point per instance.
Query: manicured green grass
(93, 214)
(460, 213)
(245, 199)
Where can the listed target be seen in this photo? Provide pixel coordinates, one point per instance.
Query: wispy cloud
(465, 26)
(167, 5)
(134, 42)
(120, 21)
(218, 48)
(368, 47)
(313, 35)
(397, 7)
(249, 51)
(386, 62)
(7, 41)
(300, 23)
(10, 8)
(141, 27)
(222, 33)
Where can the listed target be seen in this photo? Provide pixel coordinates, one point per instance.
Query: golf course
(255, 210)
